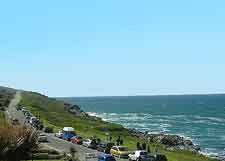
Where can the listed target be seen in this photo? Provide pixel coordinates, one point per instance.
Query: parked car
(140, 155)
(105, 147)
(19, 108)
(160, 157)
(24, 111)
(48, 130)
(59, 134)
(90, 143)
(68, 133)
(37, 124)
(120, 151)
(27, 118)
(28, 114)
(32, 120)
(106, 157)
(77, 140)
(42, 138)
(87, 143)
(101, 147)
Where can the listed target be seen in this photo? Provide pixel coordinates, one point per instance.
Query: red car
(77, 140)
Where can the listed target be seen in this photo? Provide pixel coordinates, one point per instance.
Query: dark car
(101, 147)
(160, 157)
(105, 147)
(106, 157)
(147, 158)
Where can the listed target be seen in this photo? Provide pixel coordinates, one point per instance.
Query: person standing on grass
(121, 141)
(118, 141)
(148, 149)
(144, 146)
(138, 146)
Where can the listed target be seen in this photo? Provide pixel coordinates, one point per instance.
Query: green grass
(3, 121)
(52, 113)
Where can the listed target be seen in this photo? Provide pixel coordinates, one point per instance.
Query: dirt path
(11, 112)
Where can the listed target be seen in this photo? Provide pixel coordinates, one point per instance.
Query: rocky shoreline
(169, 141)
(172, 142)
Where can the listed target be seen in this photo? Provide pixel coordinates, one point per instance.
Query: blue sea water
(200, 118)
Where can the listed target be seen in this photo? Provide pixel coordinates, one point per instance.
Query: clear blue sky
(113, 47)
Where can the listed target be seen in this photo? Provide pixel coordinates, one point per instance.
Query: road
(53, 142)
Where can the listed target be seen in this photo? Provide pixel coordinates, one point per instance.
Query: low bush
(17, 143)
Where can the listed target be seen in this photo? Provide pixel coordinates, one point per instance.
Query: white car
(32, 119)
(42, 138)
(136, 155)
(87, 142)
(59, 134)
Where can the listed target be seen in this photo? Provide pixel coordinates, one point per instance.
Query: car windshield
(143, 153)
(71, 132)
(110, 159)
(123, 149)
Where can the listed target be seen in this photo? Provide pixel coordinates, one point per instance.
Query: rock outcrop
(75, 109)
(169, 141)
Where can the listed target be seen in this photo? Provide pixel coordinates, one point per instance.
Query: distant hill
(6, 95)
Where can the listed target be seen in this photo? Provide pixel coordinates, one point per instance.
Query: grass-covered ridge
(3, 121)
(53, 113)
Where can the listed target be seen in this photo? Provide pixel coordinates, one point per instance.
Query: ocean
(200, 118)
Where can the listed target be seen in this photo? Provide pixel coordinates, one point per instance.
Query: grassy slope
(52, 114)
(6, 94)
(3, 121)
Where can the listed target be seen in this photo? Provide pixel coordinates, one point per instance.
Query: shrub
(17, 143)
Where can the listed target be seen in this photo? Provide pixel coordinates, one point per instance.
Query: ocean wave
(217, 119)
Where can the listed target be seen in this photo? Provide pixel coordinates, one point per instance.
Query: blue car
(106, 157)
(68, 133)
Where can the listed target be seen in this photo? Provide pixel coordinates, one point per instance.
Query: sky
(113, 47)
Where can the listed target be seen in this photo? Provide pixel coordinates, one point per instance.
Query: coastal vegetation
(56, 114)
(16, 143)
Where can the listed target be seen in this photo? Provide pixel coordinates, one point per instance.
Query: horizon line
(153, 95)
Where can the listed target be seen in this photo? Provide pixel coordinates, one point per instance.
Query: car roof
(87, 140)
(120, 146)
(105, 155)
(140, 150)
(68, 129)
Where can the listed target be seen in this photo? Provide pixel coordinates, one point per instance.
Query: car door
(117, 151)
(113, 151)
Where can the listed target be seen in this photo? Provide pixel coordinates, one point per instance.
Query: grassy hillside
(3, 122)
(6, 94)
(53, 113)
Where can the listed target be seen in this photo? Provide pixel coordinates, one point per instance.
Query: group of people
(143, 146)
